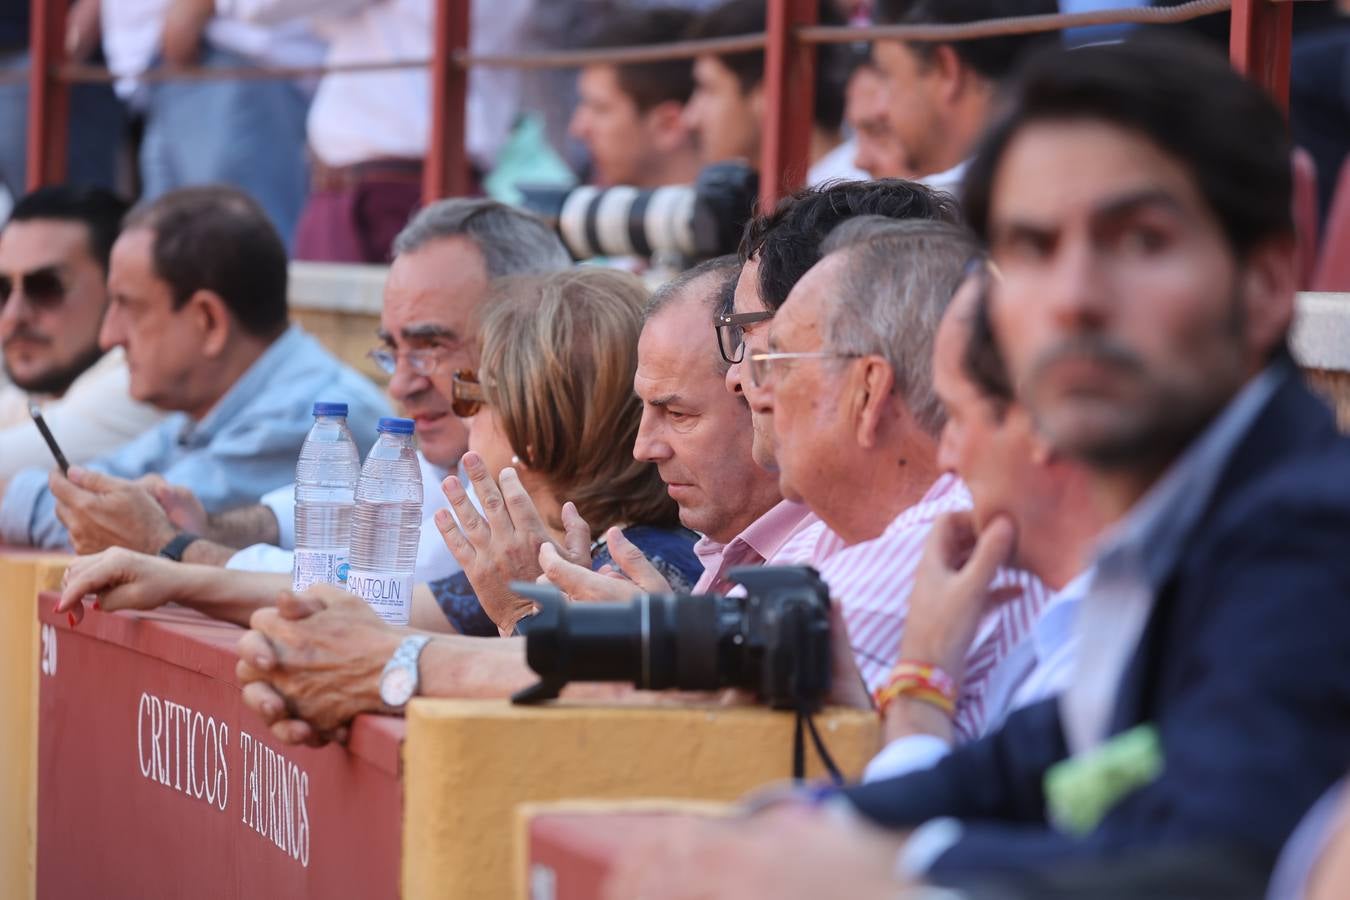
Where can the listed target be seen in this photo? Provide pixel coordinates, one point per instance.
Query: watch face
(397, 686)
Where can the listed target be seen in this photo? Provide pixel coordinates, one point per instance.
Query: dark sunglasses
(731, 332)
(43, 288)
(466, 394)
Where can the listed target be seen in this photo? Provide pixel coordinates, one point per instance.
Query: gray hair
(513, 242)
(898, 277)
(725, 269)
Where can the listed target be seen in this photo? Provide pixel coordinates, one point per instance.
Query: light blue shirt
(245, 446)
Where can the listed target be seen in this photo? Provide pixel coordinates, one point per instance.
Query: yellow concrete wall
(469, 764)
(22, 576)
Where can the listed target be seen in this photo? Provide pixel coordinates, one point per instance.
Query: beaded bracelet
(918, 681)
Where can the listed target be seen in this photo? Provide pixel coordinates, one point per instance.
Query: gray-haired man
(443, 263)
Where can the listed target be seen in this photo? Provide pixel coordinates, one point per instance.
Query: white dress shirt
(949, 181)
(360, 116)
(837, 165)
(96, 415)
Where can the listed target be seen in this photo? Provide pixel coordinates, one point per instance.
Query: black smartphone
(41, 423)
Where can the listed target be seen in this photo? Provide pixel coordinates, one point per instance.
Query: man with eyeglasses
(846, 377)
(53, 272)
(443, 263)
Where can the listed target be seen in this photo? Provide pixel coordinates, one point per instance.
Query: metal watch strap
(175, 548)
(406, 656)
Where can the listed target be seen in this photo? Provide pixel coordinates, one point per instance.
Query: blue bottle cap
(330, 409)
(391, 425)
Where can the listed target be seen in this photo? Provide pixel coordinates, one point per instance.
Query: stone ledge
(337, 287)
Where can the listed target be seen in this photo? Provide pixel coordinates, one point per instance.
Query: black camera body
(774, 641)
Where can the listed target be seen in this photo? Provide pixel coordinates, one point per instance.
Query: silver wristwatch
(399, 680)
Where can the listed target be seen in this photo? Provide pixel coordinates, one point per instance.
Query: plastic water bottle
(325, 489)
(387, 523)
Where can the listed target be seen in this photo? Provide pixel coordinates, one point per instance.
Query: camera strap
(799, 749)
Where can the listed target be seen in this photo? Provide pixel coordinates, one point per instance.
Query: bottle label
(325, 566)
(388, 593)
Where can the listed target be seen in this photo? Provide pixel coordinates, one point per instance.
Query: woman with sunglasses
(552, 415)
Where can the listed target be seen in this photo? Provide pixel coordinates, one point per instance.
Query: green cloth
(1080, 791)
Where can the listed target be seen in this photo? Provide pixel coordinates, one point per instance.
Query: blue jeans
(247, 134)
(97, 128)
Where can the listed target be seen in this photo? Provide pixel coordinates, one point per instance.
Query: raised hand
(502, 544)
(951, 590)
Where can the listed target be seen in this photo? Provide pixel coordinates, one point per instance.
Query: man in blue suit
(1136, 204)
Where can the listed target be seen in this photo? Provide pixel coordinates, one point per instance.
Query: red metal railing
(1259, 47)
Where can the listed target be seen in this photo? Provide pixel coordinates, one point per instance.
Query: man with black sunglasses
(53, 272)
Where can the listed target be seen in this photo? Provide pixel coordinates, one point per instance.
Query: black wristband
(175, 548)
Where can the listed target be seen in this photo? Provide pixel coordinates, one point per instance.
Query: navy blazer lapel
(1292, 420)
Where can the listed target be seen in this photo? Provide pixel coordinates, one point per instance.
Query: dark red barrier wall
(155, 781)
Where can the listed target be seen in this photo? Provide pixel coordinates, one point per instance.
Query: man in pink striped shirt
(847, 379)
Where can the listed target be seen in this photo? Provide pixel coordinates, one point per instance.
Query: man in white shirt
(1032, 509)
(368, 131)
(53, 293)
(247, 133)
(630, 117)
(942, 94)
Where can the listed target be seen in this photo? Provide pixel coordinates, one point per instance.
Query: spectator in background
(726, 111)
(630, 117)
(53, 293)
(247, 133)
(941, 95)
(198, 302)
(877, 151)
(97, 119)
(368, 131)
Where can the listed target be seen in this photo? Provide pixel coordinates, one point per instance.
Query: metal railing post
(789, 100)
(48, 96)
(1258, 44)
(446, 172)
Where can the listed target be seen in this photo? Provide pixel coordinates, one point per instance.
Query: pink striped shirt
(872, 581)
(759, 544)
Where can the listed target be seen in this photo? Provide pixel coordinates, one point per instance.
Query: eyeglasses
(730, 329)
(424, 362)
(761, 364)
(43, 287)
(466, 394)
